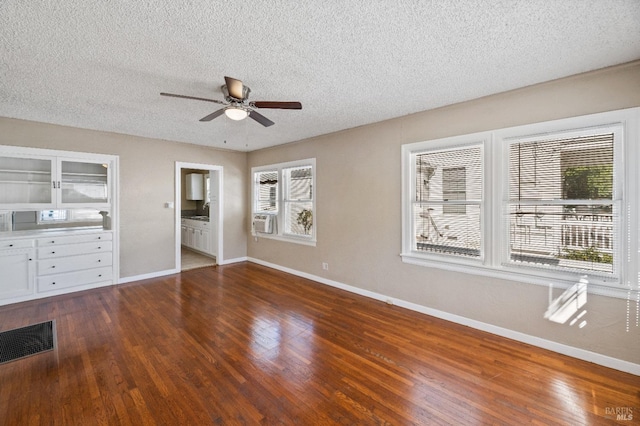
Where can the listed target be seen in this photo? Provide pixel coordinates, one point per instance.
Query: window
(285, 192)
(267, 192)
(555, 201)
(561, 203)
(445, 220)
(298, 200)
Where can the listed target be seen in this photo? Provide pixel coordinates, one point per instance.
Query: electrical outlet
(325, 266)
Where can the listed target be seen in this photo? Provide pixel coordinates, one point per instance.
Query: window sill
(289, 239)
(543, 278)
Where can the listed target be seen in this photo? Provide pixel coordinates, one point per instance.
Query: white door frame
(178, 207)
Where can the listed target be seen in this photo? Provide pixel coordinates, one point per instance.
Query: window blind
(298, 200)
(447, 204)
(561, 212)
(267, 191)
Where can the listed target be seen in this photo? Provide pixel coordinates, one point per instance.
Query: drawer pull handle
(53, 283)
(53, 266)
(53, 252)
(99, 275)
(99, 248)
(99, 260)
(99, 238)
(30, 259)
(10, 245)
(53, 242)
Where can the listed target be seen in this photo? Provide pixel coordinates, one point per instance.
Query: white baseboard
(147, 276)
(172, 271)
(596, 358)
(236, 260)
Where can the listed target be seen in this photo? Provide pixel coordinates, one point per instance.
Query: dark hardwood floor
(245, 344)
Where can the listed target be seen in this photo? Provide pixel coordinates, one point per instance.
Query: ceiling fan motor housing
(245, 94)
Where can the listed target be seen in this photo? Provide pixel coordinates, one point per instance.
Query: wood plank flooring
(247, 345)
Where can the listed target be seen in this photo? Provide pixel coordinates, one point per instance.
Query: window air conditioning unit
(263, 223)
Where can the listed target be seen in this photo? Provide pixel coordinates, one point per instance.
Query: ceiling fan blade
(278, 105)
(235, 88)
(261, 119)
(213, 115)
(193, 97)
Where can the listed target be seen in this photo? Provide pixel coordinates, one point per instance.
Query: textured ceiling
(101, 64)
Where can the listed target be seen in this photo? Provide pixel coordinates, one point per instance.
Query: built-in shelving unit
(44, 262)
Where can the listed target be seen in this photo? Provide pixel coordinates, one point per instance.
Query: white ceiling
(101, 64)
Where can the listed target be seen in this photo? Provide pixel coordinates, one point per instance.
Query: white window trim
(495, 191)
(280, 235)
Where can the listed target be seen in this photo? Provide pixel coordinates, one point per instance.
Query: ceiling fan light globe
(236, 113)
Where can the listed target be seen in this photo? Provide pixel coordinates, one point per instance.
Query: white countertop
(35, 233)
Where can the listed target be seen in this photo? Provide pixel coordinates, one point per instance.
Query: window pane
(575, 233)
(438, 232)
(267, 191)
(578, 169)
(446, 216)
(299, 218)
(299, 183)
(454, 188)
(445, 175)
(298, 204)
(563, 237)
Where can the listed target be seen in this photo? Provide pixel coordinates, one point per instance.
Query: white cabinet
(195, 186)
(190, 237)
(34, 181)
(26, 180)
(205, 241)
(39, 263)
(58, 263)
(17, 271)
(196, 235)
(83, 182)
(184, 235)
(74, 260)
(201, 240)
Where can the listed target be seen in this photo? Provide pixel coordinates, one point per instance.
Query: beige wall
(147, 169)
(358, 212)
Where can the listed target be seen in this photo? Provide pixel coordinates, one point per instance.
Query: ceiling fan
(237, 106)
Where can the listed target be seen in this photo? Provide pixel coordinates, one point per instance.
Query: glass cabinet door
(84, 182)
(26, 180)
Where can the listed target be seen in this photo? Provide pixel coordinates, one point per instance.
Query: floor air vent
(25, 341)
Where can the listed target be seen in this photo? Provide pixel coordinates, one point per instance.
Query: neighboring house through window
(454, 188)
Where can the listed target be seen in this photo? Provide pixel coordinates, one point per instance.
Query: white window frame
(494, 228)
(279, 230)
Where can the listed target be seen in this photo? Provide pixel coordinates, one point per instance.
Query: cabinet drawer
(74, 263)
(74, 239)
(74, 249)
(198, 224)
(15, 244)
(72, 279)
